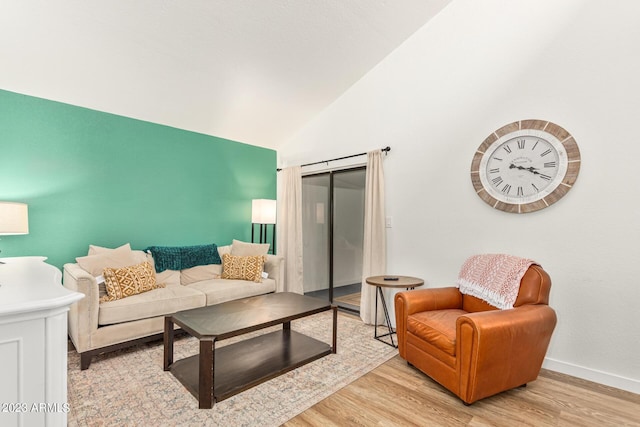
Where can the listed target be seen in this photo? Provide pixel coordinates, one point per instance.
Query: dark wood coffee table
(216, 374)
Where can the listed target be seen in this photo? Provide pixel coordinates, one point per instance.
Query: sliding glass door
(333, 227)
(316, 192)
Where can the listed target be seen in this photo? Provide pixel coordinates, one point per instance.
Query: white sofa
(96, 327)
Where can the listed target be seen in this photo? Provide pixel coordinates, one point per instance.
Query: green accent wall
(96, 178)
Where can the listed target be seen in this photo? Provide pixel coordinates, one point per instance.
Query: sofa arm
(83, 315)
(501, 349)
(410, 302)
(274, 267)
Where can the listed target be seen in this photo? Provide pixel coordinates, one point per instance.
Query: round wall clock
(525, 166)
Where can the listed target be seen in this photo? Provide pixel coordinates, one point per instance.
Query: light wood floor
(396, 394)
(351, 299)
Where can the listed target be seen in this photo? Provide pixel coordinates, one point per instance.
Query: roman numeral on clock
(507, 149)
(520, 191)
(506, 189)
(546, 152)
(521, 143)
(494, 170)
(550, 164)
(497, 181)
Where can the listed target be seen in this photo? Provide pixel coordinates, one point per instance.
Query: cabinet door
(23, 367)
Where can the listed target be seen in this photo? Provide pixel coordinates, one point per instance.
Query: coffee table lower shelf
(247, 363)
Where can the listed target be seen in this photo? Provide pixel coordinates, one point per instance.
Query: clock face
(525, 168)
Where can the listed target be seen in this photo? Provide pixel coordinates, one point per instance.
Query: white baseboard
(589, 374)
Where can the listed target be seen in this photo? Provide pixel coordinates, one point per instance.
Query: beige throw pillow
(243, 267)
(240, 248)
(224, 250)
(115, 258)
(139, 256)
(94, 250)
(127, 281)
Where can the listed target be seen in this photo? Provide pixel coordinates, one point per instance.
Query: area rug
(130, 388)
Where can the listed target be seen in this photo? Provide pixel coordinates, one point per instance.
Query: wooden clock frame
(562, 188)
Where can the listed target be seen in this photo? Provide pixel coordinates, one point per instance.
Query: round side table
(388, 281)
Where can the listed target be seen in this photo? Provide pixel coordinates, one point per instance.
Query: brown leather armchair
(470, 347)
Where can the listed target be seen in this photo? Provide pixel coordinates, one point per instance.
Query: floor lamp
(263, 213)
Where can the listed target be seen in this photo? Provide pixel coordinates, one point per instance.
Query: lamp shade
(263, 211)
(14, 218)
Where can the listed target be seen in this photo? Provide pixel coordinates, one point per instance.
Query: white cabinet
(33, 343)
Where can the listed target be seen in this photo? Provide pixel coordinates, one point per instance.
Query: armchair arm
(410, 302)
(501, 349)
(415, 301)
(83, 315)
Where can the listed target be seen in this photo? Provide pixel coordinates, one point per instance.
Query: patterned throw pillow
(126, 281)
(243, 267)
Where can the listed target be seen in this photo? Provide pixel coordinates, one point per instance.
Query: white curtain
(374, 260)
(290, 228)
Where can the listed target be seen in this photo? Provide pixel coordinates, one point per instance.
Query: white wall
(475, 67)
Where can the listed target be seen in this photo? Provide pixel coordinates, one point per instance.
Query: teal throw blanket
(182, 257)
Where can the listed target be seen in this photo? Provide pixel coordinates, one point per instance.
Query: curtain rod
(384, 150)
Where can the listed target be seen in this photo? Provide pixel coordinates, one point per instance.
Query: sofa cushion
(127, 281)
(437, 327)
(222, 290)
(243, 267)
(99, 257)
(200, 272)
(169, 277)
(113, 258)
(157, 302)
(182, 257)
(138, 256)
(240, 248)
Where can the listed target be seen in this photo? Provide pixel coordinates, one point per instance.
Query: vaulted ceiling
(253, 71)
